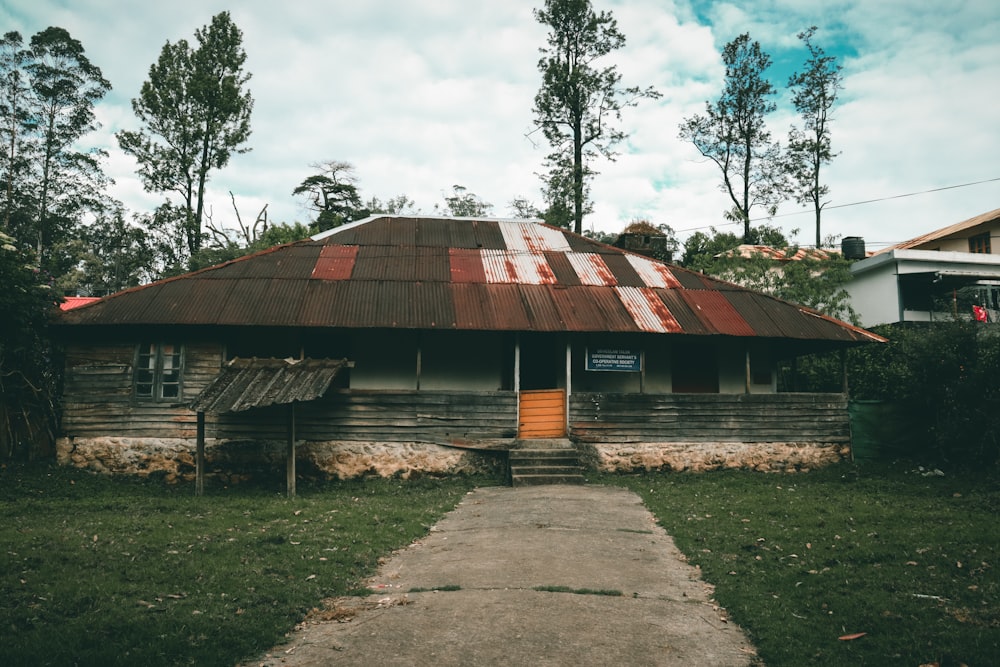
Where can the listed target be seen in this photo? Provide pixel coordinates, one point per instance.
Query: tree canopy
(195, 110)
(814, 91)
(580, 99)
(733, 133)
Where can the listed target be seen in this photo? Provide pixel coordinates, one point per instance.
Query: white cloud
(420, 96)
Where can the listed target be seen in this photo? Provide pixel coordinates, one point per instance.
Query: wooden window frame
(980, 244)
(158, 373)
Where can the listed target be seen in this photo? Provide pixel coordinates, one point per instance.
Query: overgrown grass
(802, 560)
(100, 571)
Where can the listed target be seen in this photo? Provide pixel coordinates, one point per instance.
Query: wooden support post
(748, 378)
(199, 457)
(290, 462)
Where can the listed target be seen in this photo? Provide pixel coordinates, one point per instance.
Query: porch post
(199, 457)
(569, 379)
(747, 385)
(290, 462)
(517, 383)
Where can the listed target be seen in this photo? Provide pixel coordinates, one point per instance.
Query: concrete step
(544, 443)
(538, 479)
(545, 462)
(546, 470)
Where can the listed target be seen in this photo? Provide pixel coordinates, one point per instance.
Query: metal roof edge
(415, 216)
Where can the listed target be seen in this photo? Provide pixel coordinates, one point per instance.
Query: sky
(422, 96)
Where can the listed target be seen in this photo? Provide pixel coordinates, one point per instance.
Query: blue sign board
(614, 359)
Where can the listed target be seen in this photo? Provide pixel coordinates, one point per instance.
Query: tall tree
(50, 89)
(733, 133)
(463, 203)
(809, 149)
(580, 100)
(332, 194)
(195, 109)
(15, 119)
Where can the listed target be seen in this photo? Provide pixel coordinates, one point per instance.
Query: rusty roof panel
(291, 261)
(654, 274)
(531, 237)
(717, 312)
(687, 319)
(336, 262)
(460, 273)
(689, 279)
(513, 267)
(562, 268)
(243, 384)
(322, 303)
(623, 271)
(488, 235)
(592, 269)
(757, 310)
(498, 267)
(490, 307)
(591, 309)
(466, 265)
(542, 312)
(648, 311)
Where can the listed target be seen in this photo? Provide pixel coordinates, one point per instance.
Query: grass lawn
(804, 562)
(100, 571)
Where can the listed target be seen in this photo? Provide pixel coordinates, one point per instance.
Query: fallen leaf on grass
(856, 635)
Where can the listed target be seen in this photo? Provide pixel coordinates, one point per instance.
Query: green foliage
(49, 91)
(946, 375)
(579, 100)
(132, 572)
(333, 194)
(195, 113)
(733, 133)
(28, 381)
(462, 203)
(801, 560)
(941, 376)
(811, 282)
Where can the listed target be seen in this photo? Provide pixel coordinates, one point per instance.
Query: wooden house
(422, 344)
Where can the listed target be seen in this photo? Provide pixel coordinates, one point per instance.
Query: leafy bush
(945, 376)
(28, 381)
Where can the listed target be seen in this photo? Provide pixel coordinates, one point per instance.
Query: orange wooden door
(542, 414)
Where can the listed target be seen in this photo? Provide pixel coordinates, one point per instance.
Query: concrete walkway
(525, 568)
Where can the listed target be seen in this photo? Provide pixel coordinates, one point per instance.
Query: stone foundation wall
(233, 461)
(704, 456)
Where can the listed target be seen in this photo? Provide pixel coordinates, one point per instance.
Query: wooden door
(542, 414)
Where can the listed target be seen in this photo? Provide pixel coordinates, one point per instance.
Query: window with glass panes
(158, 371)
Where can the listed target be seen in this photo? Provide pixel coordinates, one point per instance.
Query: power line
(857, 203)
(872, 201)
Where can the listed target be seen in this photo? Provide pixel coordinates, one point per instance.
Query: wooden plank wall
(384, 416)
(599, 417)
(98, 402)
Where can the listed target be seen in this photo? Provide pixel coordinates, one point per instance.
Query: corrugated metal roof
(958, 227)
(256, 383)
(460, 273)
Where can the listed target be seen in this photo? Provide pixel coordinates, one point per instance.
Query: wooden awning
(256, 383)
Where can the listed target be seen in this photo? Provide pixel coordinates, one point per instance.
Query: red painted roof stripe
(336, 262)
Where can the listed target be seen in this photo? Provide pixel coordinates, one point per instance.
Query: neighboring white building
(936, 276)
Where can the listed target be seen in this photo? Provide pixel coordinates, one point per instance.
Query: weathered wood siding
(98, 397)
(748, 418)
(99, 402)
(382, 416)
